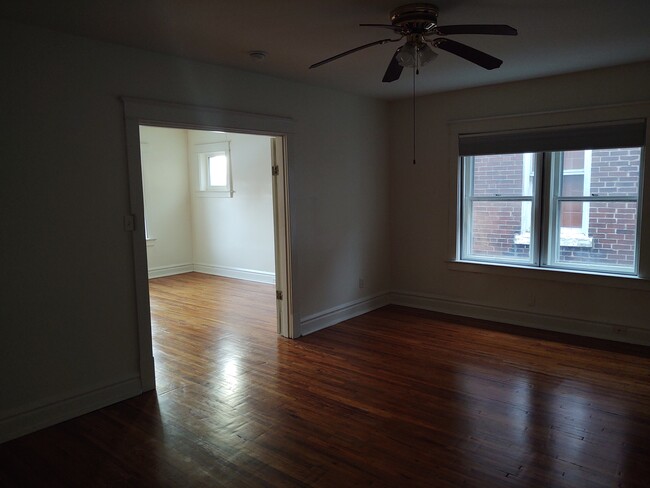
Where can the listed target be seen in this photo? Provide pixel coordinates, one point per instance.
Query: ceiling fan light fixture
(406, 55)
(411, 55)
(426, 54)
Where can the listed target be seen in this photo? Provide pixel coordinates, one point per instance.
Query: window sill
(551, 274)
(214, 194)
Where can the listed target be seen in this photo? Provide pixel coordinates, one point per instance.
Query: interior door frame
(139, 112)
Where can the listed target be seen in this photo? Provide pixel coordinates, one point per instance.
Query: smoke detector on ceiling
(258, 55)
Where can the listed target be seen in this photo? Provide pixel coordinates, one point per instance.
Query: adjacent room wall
(167, 200)
(234, 236)
(421, 196)
(189, 230)
(69, 327)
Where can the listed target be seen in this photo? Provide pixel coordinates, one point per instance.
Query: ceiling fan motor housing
(416, 22)
(415, 17)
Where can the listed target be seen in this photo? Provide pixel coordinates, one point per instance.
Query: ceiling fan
(418, 22)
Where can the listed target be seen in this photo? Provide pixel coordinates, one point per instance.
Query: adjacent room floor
(396, 397)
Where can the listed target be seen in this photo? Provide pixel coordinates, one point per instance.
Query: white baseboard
(321, 320)
(238, 273)
(228, 272)
(556, 323)
(346, 311)
(58, 411)
(161, 271)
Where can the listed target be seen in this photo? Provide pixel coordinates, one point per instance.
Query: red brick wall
(496, 223)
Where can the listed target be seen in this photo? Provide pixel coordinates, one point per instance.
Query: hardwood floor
(397, 397)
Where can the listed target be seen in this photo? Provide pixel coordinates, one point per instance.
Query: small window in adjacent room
(218, 172)
(568, 200)
(215, 175)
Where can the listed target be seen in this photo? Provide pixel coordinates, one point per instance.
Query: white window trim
(541, 120)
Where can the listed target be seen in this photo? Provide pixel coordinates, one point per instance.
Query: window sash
(552, 225)
(209, 169)
(467, 175)
(203, 183)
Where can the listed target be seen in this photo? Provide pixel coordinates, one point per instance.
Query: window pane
(601, 172)
(573, 185)
(218, 170)
(503, 174)
(574, 160)
(571, 214)
(496, 231)
(615, 172)
(610, 240)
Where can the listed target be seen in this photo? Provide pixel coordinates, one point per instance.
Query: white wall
(69, 329)
(167, 199)
(421, 196)
(234, 236)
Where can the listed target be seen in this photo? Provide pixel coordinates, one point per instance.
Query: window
(218, 171)
(498, 208)
(214, 170)
(570, 202)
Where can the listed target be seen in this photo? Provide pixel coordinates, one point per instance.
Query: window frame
(545, 214)
(467, 167)
(208, 169)
(555, 200)
(203, 153)
(542, 121)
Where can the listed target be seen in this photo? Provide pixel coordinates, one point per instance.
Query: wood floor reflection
(396, 397)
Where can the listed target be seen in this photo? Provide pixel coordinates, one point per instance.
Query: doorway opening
(209, 198)
(208, 209)
(208, 203)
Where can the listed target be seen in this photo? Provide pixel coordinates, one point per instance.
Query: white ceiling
(555, 36)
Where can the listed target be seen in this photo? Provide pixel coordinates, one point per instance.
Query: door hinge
(275, 170)
(278, 295)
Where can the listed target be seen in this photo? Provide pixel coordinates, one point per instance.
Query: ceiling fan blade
(394, 28)
(496, 30)
(394, 70)
(469, 53)
(333, 58)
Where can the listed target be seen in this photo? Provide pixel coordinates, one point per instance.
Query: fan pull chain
(415, 72)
